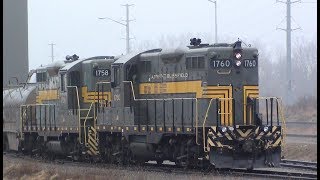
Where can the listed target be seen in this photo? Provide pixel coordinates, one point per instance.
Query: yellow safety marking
(248, 91)
(92, 152)
(210, 142)
(88, 97)
(93, 129)
(257, 130)
(228, 136)
(219, 144)
(274, 128)
(47, 95)
(260, 135)
(92, 145)
(225, 104)
(244, 134)
(93, 140)
(89, 152)
(277, 142)
(172, 88)
(269, 133)
(219, 134)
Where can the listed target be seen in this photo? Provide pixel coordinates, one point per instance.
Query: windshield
(33, 78)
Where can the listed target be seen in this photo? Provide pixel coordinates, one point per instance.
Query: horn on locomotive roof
(195, 41)
(72, 58)
(237, 46)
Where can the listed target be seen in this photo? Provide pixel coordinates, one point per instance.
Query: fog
(74, 27)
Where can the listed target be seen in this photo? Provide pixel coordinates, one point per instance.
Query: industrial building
(15, 41)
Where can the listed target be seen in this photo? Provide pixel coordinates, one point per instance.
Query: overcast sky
(74, 27)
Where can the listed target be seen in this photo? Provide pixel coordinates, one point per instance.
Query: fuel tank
(13, 98)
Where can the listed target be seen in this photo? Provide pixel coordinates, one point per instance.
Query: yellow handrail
(203, 130)
(84, 125)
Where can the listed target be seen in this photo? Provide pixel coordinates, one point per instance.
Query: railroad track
(298, 164)
(301, 135)
(171, 168)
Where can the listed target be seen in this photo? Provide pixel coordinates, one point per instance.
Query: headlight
(265, 129)
(238, 55)
(238, 63)
(224, 129)
(231, 128)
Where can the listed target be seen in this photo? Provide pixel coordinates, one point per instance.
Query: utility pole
(126, 25)
(288, 31)
(215, 20)
(52, 56)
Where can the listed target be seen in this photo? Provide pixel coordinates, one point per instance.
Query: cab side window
(41, 77)
(195, 62)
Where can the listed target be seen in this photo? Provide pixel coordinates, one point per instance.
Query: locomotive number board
(101, 72)
(247, 63)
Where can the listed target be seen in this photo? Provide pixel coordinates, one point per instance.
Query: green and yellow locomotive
(192, 106)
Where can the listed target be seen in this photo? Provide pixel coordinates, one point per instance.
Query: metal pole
(52, 51)
(127, 29)
(289, 51)
(216, 23)
(126, 25)
(288, 31)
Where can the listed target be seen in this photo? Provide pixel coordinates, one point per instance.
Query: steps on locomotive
(88, 132)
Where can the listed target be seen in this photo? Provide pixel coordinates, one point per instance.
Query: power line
(288, 31)
(124, 24)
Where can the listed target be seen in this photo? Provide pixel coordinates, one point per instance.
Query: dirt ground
(17, 168)
(300, 151)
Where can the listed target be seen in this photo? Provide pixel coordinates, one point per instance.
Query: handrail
(21, 121)
(94, 100)
(204, 122)
(283, 122)
(25, 107)
(76, 87)
(84, 125)
(197, 121)
(134, 98)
